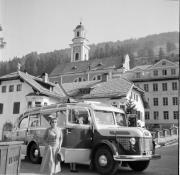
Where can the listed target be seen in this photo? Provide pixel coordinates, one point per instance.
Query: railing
(165, 136)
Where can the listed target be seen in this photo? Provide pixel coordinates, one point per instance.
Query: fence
(165, 136)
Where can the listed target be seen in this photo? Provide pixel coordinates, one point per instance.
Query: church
(97, 79)
(82, 68)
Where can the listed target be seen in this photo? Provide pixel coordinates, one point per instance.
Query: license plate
(148, 153)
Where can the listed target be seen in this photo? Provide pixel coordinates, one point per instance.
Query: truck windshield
(104, 117)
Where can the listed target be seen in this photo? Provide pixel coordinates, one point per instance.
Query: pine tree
(130, 107)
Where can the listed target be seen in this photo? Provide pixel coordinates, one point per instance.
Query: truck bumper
(136, 157)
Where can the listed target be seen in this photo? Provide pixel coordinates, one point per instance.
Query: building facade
(20, 91)
(161, 85)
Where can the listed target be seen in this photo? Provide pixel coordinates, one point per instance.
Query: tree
(170, 47)
(130, 107)
(161, 53)
(31, 63)
(130, 110)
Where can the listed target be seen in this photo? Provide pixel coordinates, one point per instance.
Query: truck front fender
(111, 145)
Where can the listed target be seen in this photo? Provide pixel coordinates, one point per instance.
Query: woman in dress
(53, 138)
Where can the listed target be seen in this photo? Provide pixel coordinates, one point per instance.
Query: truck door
(21, 132)
(35, 131)
(78, 132)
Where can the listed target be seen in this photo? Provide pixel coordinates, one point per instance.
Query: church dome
(80, 26)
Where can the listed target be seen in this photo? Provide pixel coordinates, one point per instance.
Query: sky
(47, 25)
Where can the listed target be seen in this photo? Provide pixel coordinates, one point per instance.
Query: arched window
(77, 34)
(79, 79)
(77, 56)
(97, 77)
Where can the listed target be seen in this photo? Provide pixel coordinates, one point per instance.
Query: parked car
(93, 133)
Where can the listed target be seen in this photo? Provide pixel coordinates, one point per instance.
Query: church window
(97, 77)
(79, 79)
(77, 56)
(77, 34)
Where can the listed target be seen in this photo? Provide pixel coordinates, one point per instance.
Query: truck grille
(146, 145)
(143, 145)
(125, 144)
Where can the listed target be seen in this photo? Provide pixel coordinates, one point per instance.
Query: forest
(146, 50)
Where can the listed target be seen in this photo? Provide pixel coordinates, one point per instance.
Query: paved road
(167, 165)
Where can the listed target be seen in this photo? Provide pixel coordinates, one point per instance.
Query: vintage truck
(102, 139)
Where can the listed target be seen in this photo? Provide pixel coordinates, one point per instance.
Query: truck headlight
(132, 141)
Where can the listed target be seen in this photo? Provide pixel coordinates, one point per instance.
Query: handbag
(60, 156)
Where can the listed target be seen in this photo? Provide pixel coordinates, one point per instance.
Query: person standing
(53, 138)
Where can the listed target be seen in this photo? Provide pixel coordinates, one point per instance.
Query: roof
(113, 87)
(84, 66)
(73, 87)
(142, 67)
(80, 26)
(46, 88)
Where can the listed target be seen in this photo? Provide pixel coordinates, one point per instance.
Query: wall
(9, 98)
(160, 108)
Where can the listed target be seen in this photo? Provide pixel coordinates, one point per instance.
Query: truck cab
(95, 134)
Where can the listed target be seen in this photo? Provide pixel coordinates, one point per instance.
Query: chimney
(104, 77)
(45, 77)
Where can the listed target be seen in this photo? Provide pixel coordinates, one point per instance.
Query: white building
(115, 92)
(161, 84)
(20, 91)
(79, 47)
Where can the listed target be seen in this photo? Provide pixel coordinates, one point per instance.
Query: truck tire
(139, 165)
(34, 154)
(104, 162)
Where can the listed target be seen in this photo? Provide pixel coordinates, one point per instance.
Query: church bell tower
(79, 47)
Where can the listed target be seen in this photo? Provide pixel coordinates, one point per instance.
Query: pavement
(168, 142)
(33, 169)
(28, 168)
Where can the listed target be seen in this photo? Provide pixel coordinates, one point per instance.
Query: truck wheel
(104, 162)
(139, 165)
(34, 154)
